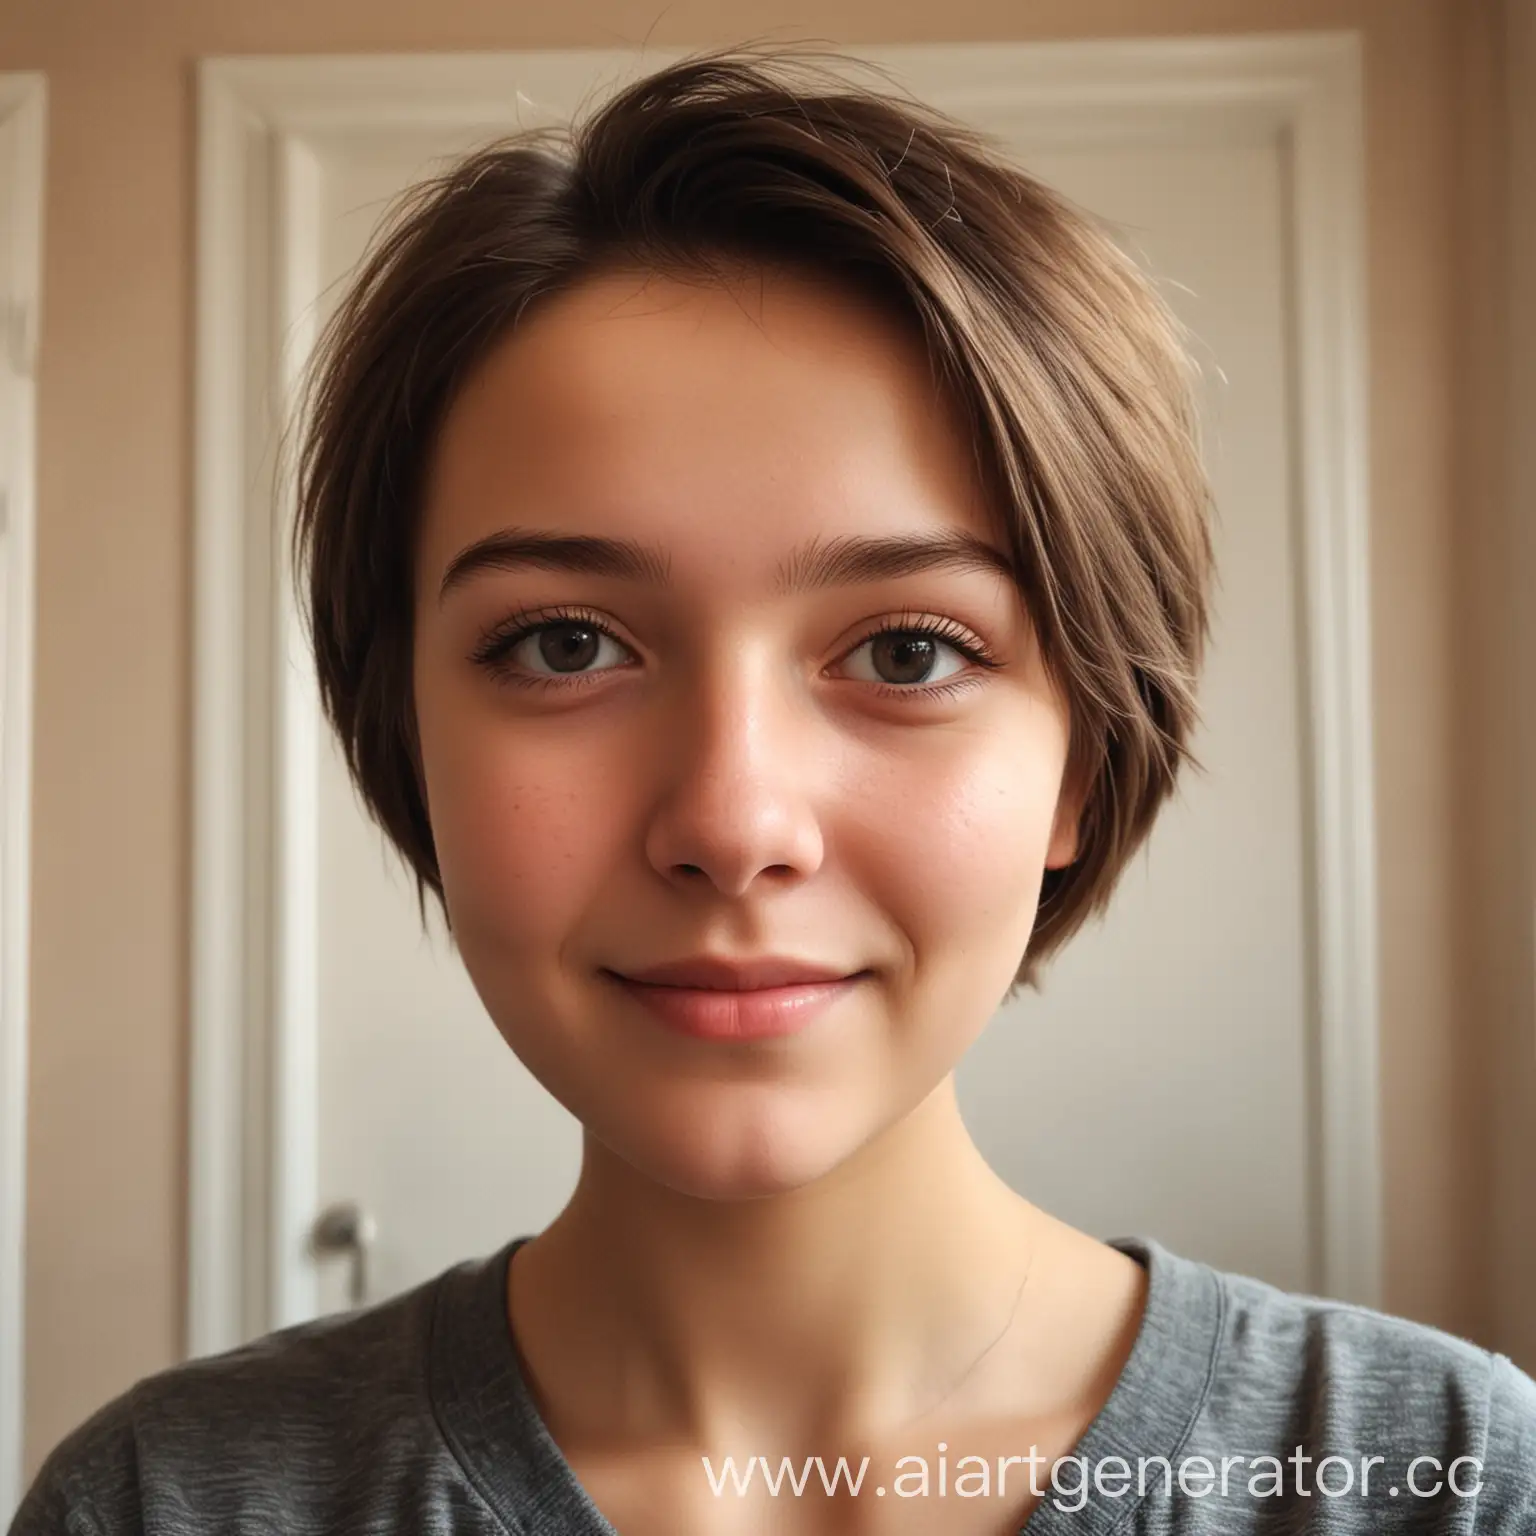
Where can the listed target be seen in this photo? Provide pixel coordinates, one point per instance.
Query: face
(747, 727)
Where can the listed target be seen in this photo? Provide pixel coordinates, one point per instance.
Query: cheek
(958, 849)
(523, 842)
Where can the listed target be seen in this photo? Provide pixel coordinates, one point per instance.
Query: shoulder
(1378, 1363)
(217, 1441)
(1340, 1379)
(88, 1486)
(1302, 1339)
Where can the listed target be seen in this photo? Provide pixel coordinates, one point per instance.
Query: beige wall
(1494, 542)
(106, 1238)
(1514, 1252)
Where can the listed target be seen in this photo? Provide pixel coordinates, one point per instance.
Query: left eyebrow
(819, 564)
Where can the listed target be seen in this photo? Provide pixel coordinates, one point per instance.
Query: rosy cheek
(514, 833)
(965, 841)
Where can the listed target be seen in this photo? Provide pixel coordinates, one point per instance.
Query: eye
(549, 649)
(919, 656)
(559, 649)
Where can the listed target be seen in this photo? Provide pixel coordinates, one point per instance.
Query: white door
(1168, 1080)
(22, 112)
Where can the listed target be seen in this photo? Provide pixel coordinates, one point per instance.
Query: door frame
(23, 115)
(263, 123)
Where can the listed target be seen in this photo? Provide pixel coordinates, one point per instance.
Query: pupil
(911, 656)
(568, 647)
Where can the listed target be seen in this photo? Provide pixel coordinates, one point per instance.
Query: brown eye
(905, 658)
(568, 647)
(901, 658)
(556, 648)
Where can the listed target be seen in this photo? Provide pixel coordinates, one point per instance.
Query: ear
(1063, 847)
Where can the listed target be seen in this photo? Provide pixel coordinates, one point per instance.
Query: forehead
(726, 416)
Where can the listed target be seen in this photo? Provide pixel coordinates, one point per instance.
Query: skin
(790, 1243)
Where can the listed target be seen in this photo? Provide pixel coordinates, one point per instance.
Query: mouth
(738, 1013)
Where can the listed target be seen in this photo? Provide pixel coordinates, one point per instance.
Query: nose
(738, 770)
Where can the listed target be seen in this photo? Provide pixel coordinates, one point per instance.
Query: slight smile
(730, 1013)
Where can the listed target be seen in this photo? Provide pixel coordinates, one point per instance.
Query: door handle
(346, 1227)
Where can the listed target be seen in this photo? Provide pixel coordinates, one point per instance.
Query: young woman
(757, 561)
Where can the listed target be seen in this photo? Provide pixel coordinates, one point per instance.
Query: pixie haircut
(1067, 367)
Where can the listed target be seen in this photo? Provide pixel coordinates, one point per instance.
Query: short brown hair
(1067, 365)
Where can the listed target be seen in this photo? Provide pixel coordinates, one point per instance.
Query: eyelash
(510, 633)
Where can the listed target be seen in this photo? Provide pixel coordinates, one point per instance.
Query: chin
(738, 1146)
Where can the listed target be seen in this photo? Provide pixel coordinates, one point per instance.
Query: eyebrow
(819, 564)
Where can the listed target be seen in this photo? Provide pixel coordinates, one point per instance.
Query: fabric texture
(413, 1416)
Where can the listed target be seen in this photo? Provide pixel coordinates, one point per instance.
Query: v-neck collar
(488, 1417)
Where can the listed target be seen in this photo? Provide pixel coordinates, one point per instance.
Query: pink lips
(712, 999)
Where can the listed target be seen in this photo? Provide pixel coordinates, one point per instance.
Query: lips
(732, 1000)
(718, 973)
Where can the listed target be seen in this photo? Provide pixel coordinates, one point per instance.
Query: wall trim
(23, 113)
(263, 124)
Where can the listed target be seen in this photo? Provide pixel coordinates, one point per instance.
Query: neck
(852, 1306)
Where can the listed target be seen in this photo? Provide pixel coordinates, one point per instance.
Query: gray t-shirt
(413, 1416)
